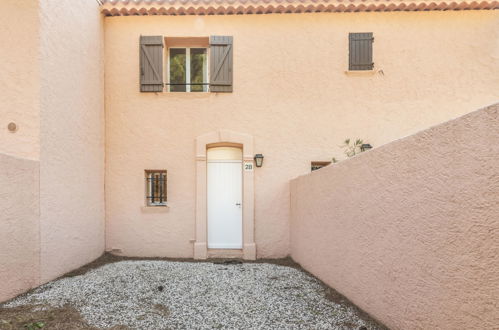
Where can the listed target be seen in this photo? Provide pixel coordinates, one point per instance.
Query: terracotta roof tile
(237, 7)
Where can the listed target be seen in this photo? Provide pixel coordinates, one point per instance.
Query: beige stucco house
(135, 126)
(291, 96)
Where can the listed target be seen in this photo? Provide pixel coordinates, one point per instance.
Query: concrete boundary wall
(19, 225)
(410, 231)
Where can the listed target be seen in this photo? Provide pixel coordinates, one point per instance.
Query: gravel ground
(186, 295)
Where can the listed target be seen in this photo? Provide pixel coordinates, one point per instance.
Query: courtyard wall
(19, 225)
(409, 231)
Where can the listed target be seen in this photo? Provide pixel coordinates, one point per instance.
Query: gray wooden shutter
(360, 51)
(151, 63)
(220, 64)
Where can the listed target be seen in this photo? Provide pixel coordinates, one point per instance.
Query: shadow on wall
(408, 231)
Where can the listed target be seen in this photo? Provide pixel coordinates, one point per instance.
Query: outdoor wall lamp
(365, 147)
(259, 160)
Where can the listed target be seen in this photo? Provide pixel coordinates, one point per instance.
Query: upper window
(156, 187)
(187, 61)
(360, 51)
(188, 69)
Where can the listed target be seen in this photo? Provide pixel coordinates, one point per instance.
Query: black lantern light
(258, 160)
(365, 147)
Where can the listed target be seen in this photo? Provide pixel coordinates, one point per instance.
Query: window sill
(155, 209)
(187, 95)
(362, 72)
(171, 92)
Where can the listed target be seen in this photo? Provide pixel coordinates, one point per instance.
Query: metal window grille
(156, 187)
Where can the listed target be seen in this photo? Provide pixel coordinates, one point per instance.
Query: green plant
(34, 325)
(351, 148)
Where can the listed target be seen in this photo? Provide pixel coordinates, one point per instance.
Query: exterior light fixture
(365, 147)
(259, 160)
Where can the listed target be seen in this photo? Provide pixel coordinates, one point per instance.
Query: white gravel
(197, 296)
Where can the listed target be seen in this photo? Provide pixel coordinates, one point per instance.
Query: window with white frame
(188, 69)
(156, 187)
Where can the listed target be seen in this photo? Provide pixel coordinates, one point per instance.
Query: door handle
(238, 204)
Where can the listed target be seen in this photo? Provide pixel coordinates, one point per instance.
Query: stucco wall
(408, 231)
(292, 95)
(19, 229)
(19, 96)
(72, 135)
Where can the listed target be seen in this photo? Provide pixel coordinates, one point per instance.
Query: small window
(318, 165)
(360, 51)
(156, 187)
(188, 69)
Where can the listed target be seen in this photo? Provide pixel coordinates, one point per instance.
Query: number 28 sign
(248, 166)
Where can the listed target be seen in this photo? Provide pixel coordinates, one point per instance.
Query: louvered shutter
(151, 63)
(360, 51)
(220, 64)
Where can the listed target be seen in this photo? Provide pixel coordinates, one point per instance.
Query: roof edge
(244, 7)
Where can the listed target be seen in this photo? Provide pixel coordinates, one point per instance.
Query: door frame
(225, 138)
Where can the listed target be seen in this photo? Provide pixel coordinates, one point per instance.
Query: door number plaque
(248, 166)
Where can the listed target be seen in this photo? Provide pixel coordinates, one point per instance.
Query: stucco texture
(52, 81)
(19, 226)
(292, 95)
(19, 73)
(409, 231)
(71, 136)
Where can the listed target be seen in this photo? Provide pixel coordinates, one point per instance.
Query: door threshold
(225, 253)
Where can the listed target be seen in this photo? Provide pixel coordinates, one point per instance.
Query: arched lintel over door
(224, 138)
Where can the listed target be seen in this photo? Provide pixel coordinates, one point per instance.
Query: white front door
(225, 230)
